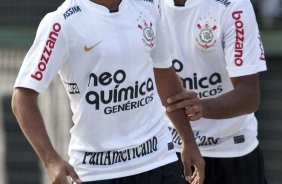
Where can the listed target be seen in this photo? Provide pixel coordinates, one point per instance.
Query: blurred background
(18, 23)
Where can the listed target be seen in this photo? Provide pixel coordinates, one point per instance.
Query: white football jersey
(211, 42)
(105, 61)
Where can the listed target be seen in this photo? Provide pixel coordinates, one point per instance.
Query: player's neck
(112, 5)
(179, 2)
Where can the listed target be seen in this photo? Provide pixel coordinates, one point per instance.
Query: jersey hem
(30, 85)
(131, 172)
(217, 154)
(168, 64)
(247, 70)
(214, 154)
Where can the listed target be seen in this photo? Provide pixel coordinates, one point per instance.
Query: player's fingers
(200, 167)
(181, 96)
(60, 180)
(193, 112)
(187, 171)
(73, 175)
(192, 109)
(195, 180)
(179, 105)
(194, 176)
(195, 117)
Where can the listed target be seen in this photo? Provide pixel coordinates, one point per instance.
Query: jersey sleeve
(44, 59)
(160, 54)
(244, 53)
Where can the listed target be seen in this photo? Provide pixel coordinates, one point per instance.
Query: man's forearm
(243, 99)
(168, 85)
(25, 108)
(222, 107)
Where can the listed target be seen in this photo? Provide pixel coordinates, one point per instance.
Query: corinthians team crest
(146, 26)
(207, 28)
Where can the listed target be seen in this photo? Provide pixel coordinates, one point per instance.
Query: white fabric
(211, 42)
(105, 61)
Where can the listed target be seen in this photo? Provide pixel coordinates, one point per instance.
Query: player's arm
(168, 85)
(27, 113)
(244, 56)
(243, 99)
(41, 64)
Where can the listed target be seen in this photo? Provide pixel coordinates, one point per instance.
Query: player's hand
(195, 179)
(189, 101)
(191, 157)
(59, 169)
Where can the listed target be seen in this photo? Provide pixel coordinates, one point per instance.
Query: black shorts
(168, 174)
(248, 169)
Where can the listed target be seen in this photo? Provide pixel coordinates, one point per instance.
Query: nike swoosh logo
(87, 49)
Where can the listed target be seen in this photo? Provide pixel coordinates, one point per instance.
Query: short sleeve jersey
(213, 41)
(105, 61)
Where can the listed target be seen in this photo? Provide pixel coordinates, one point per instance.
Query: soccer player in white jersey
(113, 61)
(217, 51)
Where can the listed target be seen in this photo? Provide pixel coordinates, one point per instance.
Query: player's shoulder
(228, 4)
(68, 9)
(222, 3)
(59, 18)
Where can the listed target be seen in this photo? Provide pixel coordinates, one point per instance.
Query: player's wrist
(51, 157)
(188, 139)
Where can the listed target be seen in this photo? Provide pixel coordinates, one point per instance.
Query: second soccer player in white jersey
(112, 58)
(217, 50)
